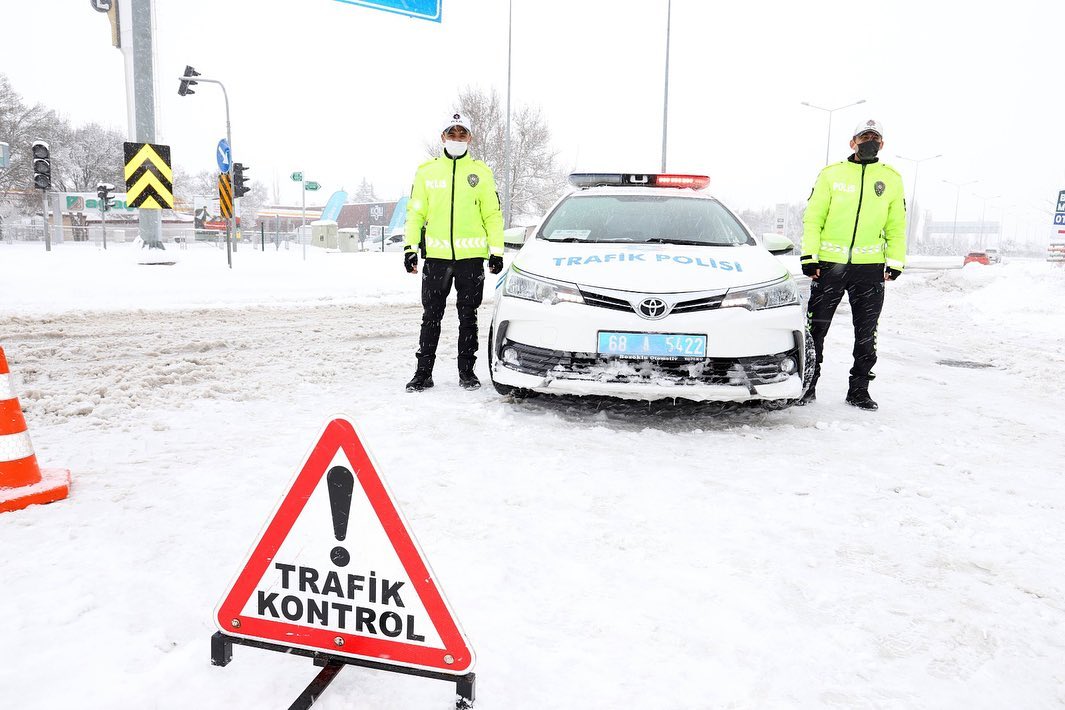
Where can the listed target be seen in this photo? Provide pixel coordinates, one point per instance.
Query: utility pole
(144, 98)
(828, 141)
(506, 149)
(913, 195)
(665, 96)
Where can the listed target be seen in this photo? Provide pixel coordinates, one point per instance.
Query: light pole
(828, 143)
(506, 148)
(983, 211)
(916, 167)
(665, 96)
(957, 195)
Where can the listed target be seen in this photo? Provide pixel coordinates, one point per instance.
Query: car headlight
(549, 293)
(782, 293)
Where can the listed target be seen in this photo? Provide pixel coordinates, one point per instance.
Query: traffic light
(240, 183)
(186, 82)
(42, 166)
(105, 191)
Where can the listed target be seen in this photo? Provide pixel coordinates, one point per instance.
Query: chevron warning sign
(225, 195)
(149, 178)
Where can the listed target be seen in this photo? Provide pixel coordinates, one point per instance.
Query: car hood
(649, 268)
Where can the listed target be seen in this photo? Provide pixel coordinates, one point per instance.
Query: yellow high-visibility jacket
(455, 199)
(856, 215)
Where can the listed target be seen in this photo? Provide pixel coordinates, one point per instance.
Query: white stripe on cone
(15, 446)
(7, 387)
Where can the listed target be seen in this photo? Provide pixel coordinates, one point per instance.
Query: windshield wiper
(686, 242)
(565, 239)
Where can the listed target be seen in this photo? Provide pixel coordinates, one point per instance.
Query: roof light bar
(586, 180)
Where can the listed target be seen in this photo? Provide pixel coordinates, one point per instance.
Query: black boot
(808, 397)
(468, 380)
(859, 397)
(422, 380)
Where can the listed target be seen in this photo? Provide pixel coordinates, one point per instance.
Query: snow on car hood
(649, 268)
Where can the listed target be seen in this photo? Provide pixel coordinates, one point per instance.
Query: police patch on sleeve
(473, 179)
(879, 187)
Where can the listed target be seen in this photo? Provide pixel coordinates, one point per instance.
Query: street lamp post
(957, 195)
(916, 167)
(665, 96)
(830, 111)
(983, 212)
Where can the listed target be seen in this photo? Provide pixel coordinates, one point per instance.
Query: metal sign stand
(222, 654)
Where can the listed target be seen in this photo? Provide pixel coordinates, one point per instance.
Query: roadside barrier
(22, 481)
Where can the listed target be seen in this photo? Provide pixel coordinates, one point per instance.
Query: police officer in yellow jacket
(454, 199)
(853, 241)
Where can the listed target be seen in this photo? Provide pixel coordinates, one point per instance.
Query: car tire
(807, 376)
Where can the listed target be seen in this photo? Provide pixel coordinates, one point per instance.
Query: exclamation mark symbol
(341, 483)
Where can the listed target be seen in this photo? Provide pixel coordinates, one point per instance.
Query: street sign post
(223, 156)
(421, 9)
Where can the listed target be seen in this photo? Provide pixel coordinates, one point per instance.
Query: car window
(643, 218)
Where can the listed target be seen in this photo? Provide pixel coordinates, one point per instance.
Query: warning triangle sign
(336, 569)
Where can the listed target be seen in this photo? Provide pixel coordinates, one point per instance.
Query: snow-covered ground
(597, 555)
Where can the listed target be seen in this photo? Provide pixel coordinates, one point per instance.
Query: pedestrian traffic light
(42, 166)
(106, 192)
(240, 183)
(186, 81)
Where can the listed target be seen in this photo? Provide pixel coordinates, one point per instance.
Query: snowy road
(596, 557)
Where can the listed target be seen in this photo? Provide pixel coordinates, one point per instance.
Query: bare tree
(20, 126)
(536, 178)
(89, 155)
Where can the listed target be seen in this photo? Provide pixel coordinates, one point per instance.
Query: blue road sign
(223, 156)
(423, 9)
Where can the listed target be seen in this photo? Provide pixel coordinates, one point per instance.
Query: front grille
(614, 303)
(557, 364)
(603, 301)
(699, 304)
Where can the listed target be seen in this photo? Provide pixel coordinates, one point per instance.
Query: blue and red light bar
(584, 180)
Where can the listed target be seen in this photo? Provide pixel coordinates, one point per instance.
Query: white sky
(344, 92)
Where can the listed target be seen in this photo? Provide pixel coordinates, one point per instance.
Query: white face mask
(456, 149)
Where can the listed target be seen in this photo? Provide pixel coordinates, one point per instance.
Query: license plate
(640, 345)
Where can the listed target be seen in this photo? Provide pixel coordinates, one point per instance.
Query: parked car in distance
(993, 255)
(976, 257)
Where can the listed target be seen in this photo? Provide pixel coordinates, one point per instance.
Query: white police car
(642, 287)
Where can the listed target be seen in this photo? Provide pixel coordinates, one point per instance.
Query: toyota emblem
(652, 308)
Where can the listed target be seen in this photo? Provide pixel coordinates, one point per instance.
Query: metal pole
(828, 141)
(144, 82)
(665, 95)
(954, 233)
(103, 223)
(262, 236)
(303, 214)
(44, 215)
(231, 222)
(506, 150)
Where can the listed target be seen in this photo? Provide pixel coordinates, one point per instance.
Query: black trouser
(437, 277)
(864, 286)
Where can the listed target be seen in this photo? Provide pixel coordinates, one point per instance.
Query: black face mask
(868, 149)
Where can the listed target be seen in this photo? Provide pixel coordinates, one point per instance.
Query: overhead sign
(225, 195)
(223, 156)
(422, 9)
(149, 177)
(336, 569)
(311, 185)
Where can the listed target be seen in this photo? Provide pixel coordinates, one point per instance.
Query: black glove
(810, 268)
(410, 262)
(892, 274)
(495, 264)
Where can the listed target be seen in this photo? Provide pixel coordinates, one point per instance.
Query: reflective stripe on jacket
(456, 201)
(856, 215)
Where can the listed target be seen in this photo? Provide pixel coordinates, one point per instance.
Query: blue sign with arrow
(223, 156)
(422, 9)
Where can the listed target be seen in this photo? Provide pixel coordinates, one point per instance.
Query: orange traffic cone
(22, 482)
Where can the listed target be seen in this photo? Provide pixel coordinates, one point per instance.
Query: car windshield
(670, 219)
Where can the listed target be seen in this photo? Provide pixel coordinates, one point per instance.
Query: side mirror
(777, 244)
(515, 236)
